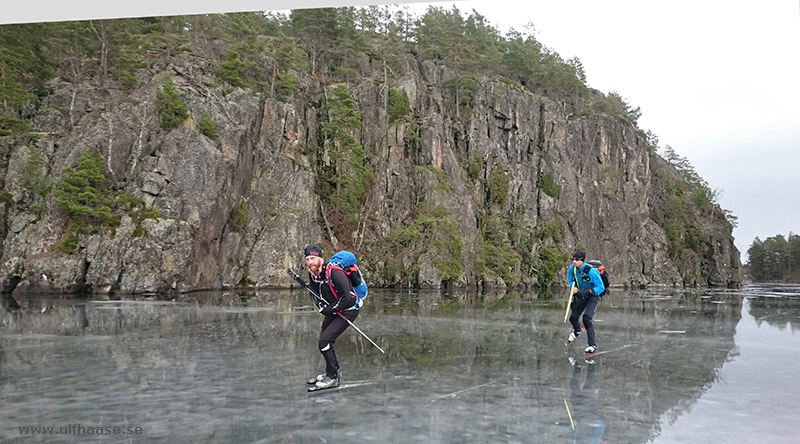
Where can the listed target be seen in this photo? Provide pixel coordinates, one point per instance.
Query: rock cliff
(499, 189)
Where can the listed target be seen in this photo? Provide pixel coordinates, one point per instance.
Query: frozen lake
(223, 367)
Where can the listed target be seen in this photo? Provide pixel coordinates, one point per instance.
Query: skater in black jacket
(330, 282)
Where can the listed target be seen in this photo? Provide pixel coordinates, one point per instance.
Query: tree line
(775, 259)
(327, 44)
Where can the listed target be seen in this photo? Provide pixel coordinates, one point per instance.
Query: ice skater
(334, 287)
(587, 286)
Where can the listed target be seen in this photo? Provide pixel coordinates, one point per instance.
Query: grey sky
(717, 80)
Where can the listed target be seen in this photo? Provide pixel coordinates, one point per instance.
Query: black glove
(327, 310)
(586, 294)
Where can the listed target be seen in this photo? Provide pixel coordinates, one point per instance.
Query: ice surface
(673, 366)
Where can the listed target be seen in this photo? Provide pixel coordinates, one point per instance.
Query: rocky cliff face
(601, 175)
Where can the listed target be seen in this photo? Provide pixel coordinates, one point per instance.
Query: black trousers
(587, 307)
(332, 327)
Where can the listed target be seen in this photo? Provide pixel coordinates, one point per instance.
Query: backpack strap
(328, 277)
(600, 269)
(584, 274)
(341, 298)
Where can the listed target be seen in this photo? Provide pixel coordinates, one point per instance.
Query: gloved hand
(586, 294)
(327, 310)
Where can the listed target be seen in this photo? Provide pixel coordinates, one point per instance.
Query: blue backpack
(349, 264)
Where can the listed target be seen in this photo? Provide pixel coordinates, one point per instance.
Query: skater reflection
(585, 422)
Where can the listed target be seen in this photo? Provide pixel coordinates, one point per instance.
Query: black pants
(587, 307)
(332, 327)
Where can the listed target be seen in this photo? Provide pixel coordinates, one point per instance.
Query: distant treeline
(775, 259)
(330, 45)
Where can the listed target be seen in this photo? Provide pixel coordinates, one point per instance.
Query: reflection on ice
(755, 397)
(673, 366)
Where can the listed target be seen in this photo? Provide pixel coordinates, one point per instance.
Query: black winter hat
(578, 254)
(312, 250)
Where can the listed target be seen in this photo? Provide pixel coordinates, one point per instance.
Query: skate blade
(318, 389)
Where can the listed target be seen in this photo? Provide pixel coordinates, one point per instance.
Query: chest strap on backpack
(328, 278)
(330, 283)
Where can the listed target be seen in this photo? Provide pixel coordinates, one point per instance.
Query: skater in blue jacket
(587, 286)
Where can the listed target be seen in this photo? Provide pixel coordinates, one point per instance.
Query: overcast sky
(717, 80)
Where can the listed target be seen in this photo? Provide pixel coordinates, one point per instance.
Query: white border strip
(34, 11)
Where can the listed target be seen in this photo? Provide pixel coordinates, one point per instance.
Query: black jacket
(335, 288)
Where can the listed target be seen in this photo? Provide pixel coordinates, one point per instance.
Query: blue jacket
(576, 276)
